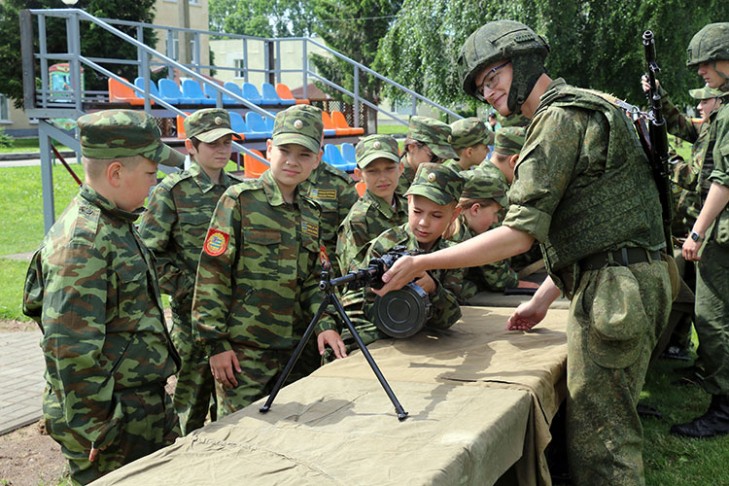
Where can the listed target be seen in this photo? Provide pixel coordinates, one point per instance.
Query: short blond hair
(94, 168)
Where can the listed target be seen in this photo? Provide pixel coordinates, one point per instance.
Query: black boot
(714, 422)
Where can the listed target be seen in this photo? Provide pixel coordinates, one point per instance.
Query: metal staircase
(46, 103)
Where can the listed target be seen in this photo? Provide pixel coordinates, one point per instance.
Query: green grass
(394, 129)
(21, 225)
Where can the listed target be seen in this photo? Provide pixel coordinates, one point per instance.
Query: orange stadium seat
(340, 123)
(121, 93)
(285, 93)
(252, 167)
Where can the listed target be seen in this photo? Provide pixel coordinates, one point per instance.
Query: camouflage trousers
(149, 423)
(195, 390)
(712, 316)
(616, 316)
(260, 369)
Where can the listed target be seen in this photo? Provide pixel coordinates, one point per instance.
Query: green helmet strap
(527, 68)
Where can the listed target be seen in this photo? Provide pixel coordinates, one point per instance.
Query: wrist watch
(695, 236)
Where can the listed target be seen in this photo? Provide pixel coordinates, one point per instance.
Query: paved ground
(21, 379)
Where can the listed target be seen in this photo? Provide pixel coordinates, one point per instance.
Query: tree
(593, 44)
(353, 28)
(98, 41)
(261, 18)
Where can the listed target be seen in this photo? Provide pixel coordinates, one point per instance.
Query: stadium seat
(285, 93)
(139, 83)
(169, 91)
(329, 128)
(349, 154)
(333, 157)
(252, 167)
(121, 93)
(238, 125)
(257, 124)
(235, 89)
(191, 89)
(340, 122)
(181, 127)
(361, 188)
(250, 92)
(269, 93)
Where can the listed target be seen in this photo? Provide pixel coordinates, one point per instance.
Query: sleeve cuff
(529, 220)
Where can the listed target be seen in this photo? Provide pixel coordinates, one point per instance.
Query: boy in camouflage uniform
(92, 288)
(432, 207)
(428, 140)
(708, 53)
(334, 190)
(582, 187)
(471, 140)
(257, 284)
(507, 145)
(174, 228)
(481, 203)
(380, 208)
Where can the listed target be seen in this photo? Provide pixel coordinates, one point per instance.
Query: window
(173, 51)
(239, 68)
(4, 108)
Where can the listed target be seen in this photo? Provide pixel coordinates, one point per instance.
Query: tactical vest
(619, 208)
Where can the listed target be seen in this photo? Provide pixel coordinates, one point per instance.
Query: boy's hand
(401, 273)
(526, 316)
(332, 339)
(222, 365)
(426, 282)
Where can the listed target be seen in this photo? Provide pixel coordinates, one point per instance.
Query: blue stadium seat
(270, 97)
(169, 91)
(257, 126)
(349, 154)
(139, 83)
(250, 92)
(191, 89)
(237, 124)
(333, 157)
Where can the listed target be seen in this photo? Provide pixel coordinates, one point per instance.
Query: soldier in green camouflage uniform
(471, 140)
(257, 285)
(583, 188)
(380, 208)
(174, 228)
(432, 200)
(708, 53)
(428, 140)
(335, 192)
(92, 289)
(481, 202)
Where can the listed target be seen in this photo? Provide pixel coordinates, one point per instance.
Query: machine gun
(656, 140)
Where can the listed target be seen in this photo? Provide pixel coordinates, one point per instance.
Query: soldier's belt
(622, 257)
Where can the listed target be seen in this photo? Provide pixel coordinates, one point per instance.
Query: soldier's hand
(93, 454)
(526, 316)
(224, 366)
(332, 339)
(402, 272)
(690, 250)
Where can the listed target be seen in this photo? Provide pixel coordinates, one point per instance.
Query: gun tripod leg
(296, 355)
(401, 413)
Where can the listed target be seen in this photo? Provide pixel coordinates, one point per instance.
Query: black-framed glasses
(492, 77)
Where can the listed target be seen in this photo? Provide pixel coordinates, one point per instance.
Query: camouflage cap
(375, 147)
(482, 185)
(208, 125)
(111, 134)
(711, 43)
(705, 93)
(437, 183)
(468, 132)
(300, 125)
(433, 133)
(509, 140)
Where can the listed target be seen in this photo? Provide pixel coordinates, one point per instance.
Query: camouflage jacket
(258, 278)
(335, 193)
(92, 288)
(445, 310)
(174, 227)
(494, 277)
(367, 219)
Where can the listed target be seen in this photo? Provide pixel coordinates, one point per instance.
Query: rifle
(656, 141)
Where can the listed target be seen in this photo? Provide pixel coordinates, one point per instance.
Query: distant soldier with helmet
(708, 240)
(584, 189)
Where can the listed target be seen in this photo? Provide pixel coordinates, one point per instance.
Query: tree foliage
(93, 40)
(261, 18)
(353, 28)
(593, 44)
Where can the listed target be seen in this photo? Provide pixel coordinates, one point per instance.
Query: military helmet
(709, 44)
(497, 41)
